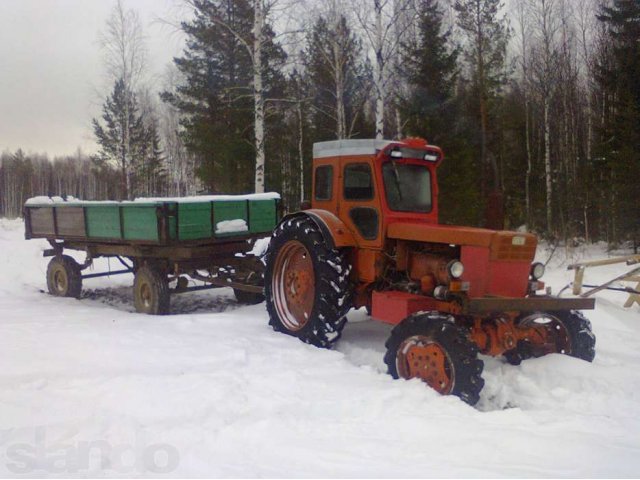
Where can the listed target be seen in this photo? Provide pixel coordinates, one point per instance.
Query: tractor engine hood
(496, 262)
(521, 245)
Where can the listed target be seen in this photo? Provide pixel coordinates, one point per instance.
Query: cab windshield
(407, 186)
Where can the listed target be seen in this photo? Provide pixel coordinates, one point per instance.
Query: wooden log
(629, 260)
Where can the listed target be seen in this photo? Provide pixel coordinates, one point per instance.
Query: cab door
(359, 204)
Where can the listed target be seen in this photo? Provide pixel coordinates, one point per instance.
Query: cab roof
(336, 148)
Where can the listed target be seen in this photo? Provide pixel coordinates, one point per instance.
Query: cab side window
(358, 185)
(358, 182)
(323, 184)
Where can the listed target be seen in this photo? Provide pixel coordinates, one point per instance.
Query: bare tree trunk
(258, 94)
(300, 149)
(341, 121)
(547, 163)
(379, 70)
(399, 133)
(125, 52)
(521, 17)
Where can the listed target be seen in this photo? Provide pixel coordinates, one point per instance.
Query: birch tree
(546, 28)
(337, 76)
(124, 51)
(382, 27)
(521, 15)
(254, 43)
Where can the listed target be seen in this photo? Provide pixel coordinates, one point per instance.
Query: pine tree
(436, 112)
(122, 134)
(620, 135)
(150, 171)
(430, 66)
(216, 97)
(487, 35)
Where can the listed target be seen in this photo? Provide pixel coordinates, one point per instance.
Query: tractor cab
(369, 184)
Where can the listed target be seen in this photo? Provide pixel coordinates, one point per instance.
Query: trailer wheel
(151, 291)
(248, 298)
(64, 277)
(430, 347)
(307, 284)
(567, 332)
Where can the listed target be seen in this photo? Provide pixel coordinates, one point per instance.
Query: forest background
(536, 104)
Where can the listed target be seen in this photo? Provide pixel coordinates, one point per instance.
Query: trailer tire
(429, 346)
(151, 291)
(573, 336)
(64, 277)
(248, 298)
(307, 283)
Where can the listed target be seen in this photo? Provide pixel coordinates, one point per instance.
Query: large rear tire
(64, 277)
(567, 332)
(430, 347)
(307, 285)
(151, 291)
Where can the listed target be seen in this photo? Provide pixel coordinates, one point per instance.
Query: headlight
(455, 268)
(537, 271)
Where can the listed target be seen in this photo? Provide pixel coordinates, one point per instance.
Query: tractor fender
(333, 229)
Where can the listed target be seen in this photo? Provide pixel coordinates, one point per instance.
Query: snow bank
(232, 226)
(225, 396)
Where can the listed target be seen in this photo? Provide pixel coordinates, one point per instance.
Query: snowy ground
(90, 388)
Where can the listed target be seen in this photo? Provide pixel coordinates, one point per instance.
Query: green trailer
(164, 242)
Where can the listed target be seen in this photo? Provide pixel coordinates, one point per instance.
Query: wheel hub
(298, 284)
(419, 357)
(552, 335)
(294, 285)
(60, 280)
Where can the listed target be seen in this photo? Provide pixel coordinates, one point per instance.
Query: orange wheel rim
(420, 357)
(294, 285)
(553, 335)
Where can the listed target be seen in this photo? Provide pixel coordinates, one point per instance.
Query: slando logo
(64, 455)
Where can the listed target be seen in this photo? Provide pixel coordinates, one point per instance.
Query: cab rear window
(323, 183)
(358, 182)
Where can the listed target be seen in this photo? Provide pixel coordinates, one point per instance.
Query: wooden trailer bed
(167, 243)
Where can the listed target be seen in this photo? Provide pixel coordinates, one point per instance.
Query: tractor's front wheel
(430, 347)
(307, 284)
(64, 277)
(566, 332)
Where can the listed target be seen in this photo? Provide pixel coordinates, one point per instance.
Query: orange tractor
(371, 239)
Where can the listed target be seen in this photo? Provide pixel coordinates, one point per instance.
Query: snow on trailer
(152, 220)
(166, 242)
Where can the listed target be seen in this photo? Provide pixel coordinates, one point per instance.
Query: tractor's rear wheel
(64, 277)
(307, 284)
(151, 291)
(566, 332)
(430, 347)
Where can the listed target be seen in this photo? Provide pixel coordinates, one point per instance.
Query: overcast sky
(51, 72)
